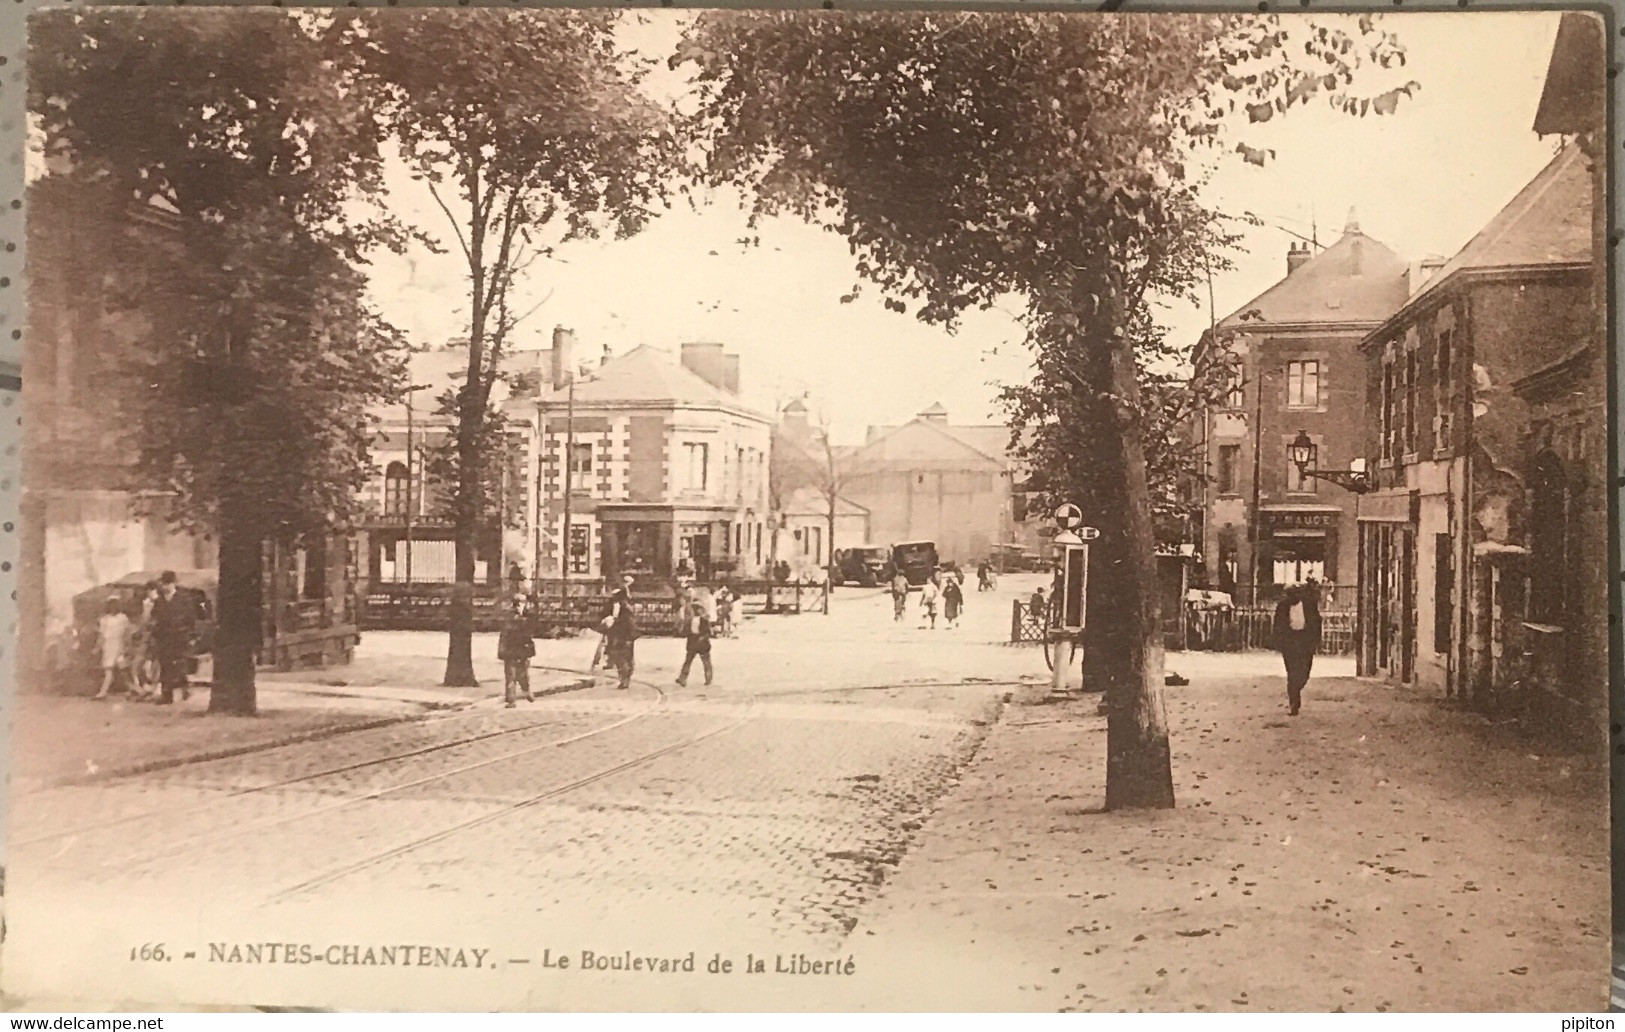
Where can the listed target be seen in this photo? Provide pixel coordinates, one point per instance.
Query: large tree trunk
(460, 647)
(238, 613)
(1139, 771)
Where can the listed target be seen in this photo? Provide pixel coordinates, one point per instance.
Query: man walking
(899, 595)
(516, 648)
(698, 633)
(620, 631)
(172, 625)
(1297, 635)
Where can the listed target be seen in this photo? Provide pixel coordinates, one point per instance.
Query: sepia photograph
(586, 509)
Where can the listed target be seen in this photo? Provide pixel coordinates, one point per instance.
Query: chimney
(1431, 264)
(706, 361)
(563, 355)
(730, 373)
(1296, 255)
(935, 414)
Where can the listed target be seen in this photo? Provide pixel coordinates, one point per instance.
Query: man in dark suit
(173, 620)
(1297, 636)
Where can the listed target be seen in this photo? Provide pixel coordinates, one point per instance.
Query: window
(396, 490)
(581, 458)
(695, 458)
(1443, 402)
(1229, 460)
(816, 536)
(1234, 396)
(1303, 384)
(1551, 544)
(1297, 482)
(1411, 400)
(1443, 592)
(1387, 427)
(580, 548)
(312, 569)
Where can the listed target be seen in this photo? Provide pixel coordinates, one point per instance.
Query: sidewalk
(67, 739)
(1379, 852)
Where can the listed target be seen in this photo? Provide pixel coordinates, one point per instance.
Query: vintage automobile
(197, 586)
(1016, 559)
(916, 559)
(865, 565)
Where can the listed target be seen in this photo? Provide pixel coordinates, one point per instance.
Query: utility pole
(536, 521)
(569, 463)
(411, 477)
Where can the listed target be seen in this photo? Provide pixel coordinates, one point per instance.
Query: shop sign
(1302, 520)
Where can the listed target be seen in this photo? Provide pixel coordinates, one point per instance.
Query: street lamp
(1354, 479)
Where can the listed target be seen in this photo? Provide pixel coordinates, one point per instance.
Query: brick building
(1293, 364)
(668, 466)
(1489, 535)
(1445, 539)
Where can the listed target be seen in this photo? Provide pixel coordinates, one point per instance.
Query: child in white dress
(113, 631)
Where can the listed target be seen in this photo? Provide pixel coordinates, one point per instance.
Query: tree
(528, 130)
(246, 396)
(967, 157)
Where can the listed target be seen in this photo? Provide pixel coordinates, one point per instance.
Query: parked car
(1016, 559)
(866, 565)
(916, 559)
(197, 586)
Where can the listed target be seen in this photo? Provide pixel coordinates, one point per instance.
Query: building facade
(1453, 381)
(933, 480)
(85, 521)
(1288, 362)
(667, 468)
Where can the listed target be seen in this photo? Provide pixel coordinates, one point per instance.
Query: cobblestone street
(767, 808)
(851, 786)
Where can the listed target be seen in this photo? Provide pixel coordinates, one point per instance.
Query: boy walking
(698, 633)
(516, 647)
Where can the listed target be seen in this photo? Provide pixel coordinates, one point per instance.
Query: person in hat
(516, 647)
(620, 630)
(174, 618)
(698, 634)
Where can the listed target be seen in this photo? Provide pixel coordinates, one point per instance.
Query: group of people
(148, 658)
(618, 628)
(944, 587)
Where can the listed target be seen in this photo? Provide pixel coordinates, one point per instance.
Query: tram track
(339, 872)
(237, 795)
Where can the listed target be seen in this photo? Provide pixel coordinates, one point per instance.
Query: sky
(1423, 181)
